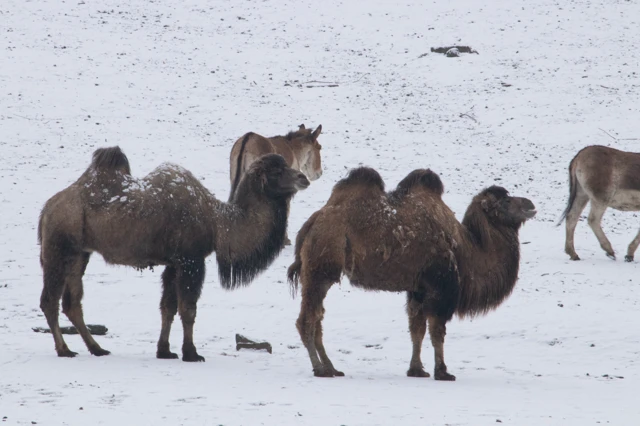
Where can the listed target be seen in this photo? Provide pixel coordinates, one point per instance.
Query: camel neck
(488, 269)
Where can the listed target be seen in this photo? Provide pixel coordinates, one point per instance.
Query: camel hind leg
(72, 301)
(189, 278)
(53, 271)
(418, 328)
(309, 323)
(322, 353)
(168, 310)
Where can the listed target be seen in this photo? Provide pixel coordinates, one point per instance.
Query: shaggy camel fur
(300, 150)
(608, 178)
(166, 218)
(408, 240)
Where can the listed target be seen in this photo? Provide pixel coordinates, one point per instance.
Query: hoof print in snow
(244, 343)
(453, 51)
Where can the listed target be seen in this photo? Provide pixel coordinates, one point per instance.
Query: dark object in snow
(95, 329)
(454, 51)
(244, 343)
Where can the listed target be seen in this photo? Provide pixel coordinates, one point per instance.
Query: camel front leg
(72, 301)
(437, 331)
(53, 271)
(189, 279)
(168, 310)
(418, 328)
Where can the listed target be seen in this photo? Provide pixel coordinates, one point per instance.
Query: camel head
(502, 209)
(275, 178)
(306, 147)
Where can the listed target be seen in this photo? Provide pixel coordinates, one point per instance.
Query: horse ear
(301, 127)
(316, 133)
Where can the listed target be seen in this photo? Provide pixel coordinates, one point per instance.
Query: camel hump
(422, 177)
(110, 159)
(362, 176)
(497, 191)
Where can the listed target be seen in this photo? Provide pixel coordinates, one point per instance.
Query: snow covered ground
(180, 81)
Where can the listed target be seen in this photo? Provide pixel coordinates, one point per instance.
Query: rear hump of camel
(608, 178)
(165, 218)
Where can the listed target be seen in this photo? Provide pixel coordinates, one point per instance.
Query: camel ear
(485, 205)
(316, 132)
(301, 127)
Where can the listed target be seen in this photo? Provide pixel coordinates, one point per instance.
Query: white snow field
(180, 81)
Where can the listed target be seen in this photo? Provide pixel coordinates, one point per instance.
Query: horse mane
(300, 133)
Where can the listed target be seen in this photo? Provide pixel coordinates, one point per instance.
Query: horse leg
(168, 310)
(287, 241)
(189, 279)
(632, 248)
(595, 217)
(311, 313)
(573, 216)
(54, 271)
(418, 328)
(72, 301)
(437, 331)
(322, 352)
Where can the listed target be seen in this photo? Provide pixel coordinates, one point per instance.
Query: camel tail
(293, 273)
(573, 189)
(110, 159)
(236, 178)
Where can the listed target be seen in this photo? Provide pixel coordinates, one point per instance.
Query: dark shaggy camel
(165, 218)
(608, 178)
(300, 150)
(408, 240)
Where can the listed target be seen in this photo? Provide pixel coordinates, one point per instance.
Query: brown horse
(300, 150)
(408, 240)
(165, 218)
(608, 178)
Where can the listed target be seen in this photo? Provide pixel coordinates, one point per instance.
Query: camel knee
(188, 311)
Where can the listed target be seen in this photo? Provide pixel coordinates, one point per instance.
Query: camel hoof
(99, 352)
(323, 372)
(417, 372)
(66, 353)
(287, 242)
(444, 376)
(337, 373)
(166, 355)
(628, 258)
(611, 256)
(192, 358)
(575, 257)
